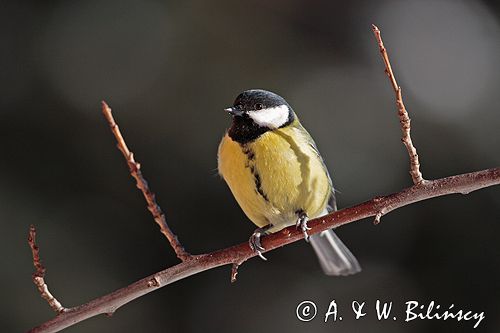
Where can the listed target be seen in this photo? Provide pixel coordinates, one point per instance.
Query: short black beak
(234, 111)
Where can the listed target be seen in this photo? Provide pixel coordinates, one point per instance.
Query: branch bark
(142, 184)
(404, 119)
(107, 304)
(236, 255)
(39, 274)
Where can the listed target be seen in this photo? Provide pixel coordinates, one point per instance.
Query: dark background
(168, 70)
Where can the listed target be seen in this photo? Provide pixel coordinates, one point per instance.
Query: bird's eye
(259, 106)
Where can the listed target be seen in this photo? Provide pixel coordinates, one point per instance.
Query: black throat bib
(245, 130)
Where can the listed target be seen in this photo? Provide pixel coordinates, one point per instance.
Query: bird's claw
(302, 224)
(255, 244)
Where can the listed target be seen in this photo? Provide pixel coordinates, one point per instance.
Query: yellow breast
(275, 176)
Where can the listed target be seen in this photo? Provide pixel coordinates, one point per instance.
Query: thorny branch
(238, 254)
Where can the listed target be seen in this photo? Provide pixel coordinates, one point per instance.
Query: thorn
(377, 218)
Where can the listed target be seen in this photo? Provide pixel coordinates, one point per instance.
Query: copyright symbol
(306, 311)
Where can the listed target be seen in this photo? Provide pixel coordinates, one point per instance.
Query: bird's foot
(254, 241)
(302, 223)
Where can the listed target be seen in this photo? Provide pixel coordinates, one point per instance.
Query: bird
(278, 177)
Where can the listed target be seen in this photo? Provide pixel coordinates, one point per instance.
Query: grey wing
(334, 257)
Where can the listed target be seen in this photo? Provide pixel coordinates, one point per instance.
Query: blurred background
(168, 69)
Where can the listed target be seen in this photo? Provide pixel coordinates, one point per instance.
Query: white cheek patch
(271, 117)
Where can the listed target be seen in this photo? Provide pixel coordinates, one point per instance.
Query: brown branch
(234, 271)
(107, 304)
(404, 119)
(236, 255)
(39, 275)
(142, 184)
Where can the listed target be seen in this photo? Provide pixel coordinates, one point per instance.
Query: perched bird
(278, 177)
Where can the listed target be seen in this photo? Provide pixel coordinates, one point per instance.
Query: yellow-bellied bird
(278, 176)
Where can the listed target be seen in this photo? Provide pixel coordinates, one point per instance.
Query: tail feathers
(334, 257)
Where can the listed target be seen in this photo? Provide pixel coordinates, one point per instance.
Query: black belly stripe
(258, 185)
(249, 152)
(251, 157)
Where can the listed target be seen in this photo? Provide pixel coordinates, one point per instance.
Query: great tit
(278, 177)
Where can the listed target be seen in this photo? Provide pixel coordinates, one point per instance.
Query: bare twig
(39, 275)
(107, 304)
(404, 119)
(236, 255)
(142, 184)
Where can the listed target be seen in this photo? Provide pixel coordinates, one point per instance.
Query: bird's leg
(302, 223)
(254, 240)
